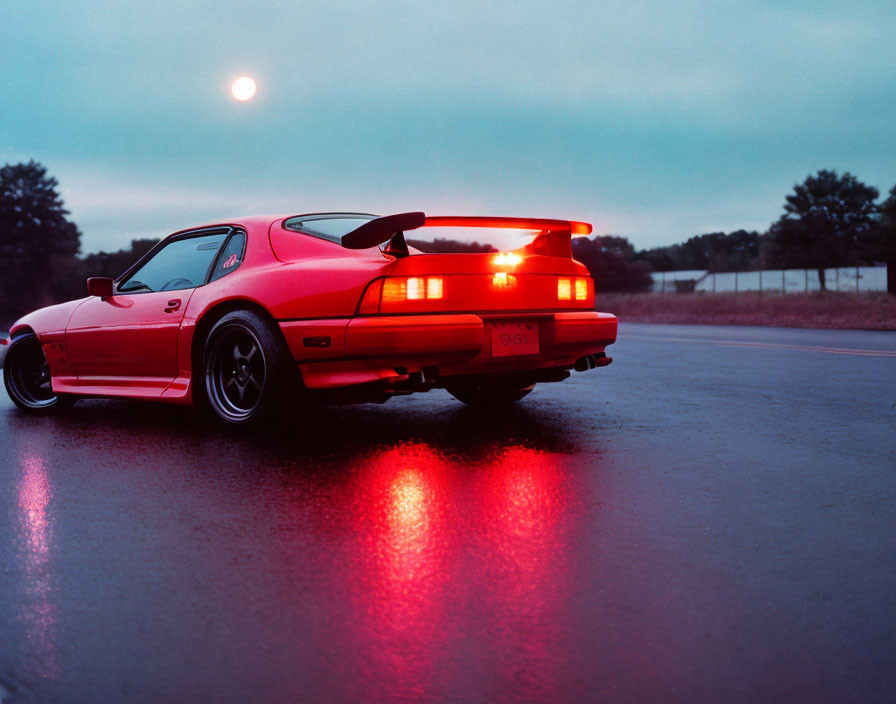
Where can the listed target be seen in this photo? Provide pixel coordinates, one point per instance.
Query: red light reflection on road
(38, 610)
(405, 544)
(459, 560)
(522, 521)
(405, 551)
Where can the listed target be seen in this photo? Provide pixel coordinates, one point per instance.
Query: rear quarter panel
(312, 279)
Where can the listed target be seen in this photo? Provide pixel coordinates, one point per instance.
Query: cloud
(655, 117)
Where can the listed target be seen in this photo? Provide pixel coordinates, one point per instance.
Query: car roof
(249, 221)
(265, 221)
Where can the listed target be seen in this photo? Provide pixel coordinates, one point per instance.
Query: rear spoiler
(554, 237)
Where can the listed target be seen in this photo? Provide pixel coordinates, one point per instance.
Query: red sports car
(239, 316)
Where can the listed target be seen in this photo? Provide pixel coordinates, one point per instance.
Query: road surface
(710, 518)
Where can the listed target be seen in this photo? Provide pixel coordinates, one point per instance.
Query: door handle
(173, 305)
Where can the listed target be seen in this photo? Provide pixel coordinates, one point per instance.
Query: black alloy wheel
(26, 375)
(245, 365)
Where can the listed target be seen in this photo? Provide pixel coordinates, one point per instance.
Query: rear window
(329, 226)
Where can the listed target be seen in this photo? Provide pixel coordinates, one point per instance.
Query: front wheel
(26, 375)
(488, 392)
(247, 368)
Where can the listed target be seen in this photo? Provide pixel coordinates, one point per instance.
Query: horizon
(651, 123)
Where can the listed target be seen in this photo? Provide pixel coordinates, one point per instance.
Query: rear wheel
(248, 369)
(488, 392)
(26, 375)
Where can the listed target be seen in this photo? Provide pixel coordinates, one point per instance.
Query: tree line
(829, 220)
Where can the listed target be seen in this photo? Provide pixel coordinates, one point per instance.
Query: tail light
(567, 287)
(500, 290)
(564, 289)
(398, 289)
(581, 289)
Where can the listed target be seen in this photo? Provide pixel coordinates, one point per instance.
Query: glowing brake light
(507, 259)
(581, 289)
(435, 287)
(399, 289)
(416, 288)
(419, 287)
(566, 288)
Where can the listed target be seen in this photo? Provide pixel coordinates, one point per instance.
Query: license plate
(512, 339)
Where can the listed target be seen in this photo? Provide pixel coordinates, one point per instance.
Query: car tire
(247, 368)
(26, 375)
(488, 392)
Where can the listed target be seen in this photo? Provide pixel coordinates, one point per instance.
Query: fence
(848, 279)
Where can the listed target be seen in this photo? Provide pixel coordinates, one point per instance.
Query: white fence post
(783, 280)
(806, 272)
(857, 279)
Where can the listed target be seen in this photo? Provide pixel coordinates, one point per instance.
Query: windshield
(329, 226)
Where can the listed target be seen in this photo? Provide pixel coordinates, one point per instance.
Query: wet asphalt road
(711, 518)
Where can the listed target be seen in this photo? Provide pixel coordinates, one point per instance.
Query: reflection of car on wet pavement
(236, 316)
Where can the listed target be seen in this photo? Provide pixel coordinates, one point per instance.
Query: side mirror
(99, 286)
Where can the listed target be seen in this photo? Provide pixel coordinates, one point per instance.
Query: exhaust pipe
(592, 361)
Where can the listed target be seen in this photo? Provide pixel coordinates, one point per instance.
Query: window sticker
(231, 260)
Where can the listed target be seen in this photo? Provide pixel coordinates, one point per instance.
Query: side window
(231, 256)
(181, 264)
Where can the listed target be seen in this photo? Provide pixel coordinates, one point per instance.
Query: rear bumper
(386, 336)
(391, 349)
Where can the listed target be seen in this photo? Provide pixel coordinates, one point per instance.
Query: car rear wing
(553, 238)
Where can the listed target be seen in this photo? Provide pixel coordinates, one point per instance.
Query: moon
(243, 88)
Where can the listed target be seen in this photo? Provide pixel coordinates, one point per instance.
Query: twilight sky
(653, 120)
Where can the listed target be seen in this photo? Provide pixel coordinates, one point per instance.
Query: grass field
(842, 311)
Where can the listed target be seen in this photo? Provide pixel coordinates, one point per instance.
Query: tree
(618, 246)
(736, 251)
(886, 246)
(828, 222)
(112, 264)
(658, 258)
(887, 242)
(38, 243)
(451, 246)
(607, 259)
(715, 251)
(697, 252)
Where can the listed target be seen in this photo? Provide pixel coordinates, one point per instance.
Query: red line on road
(770, 346)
